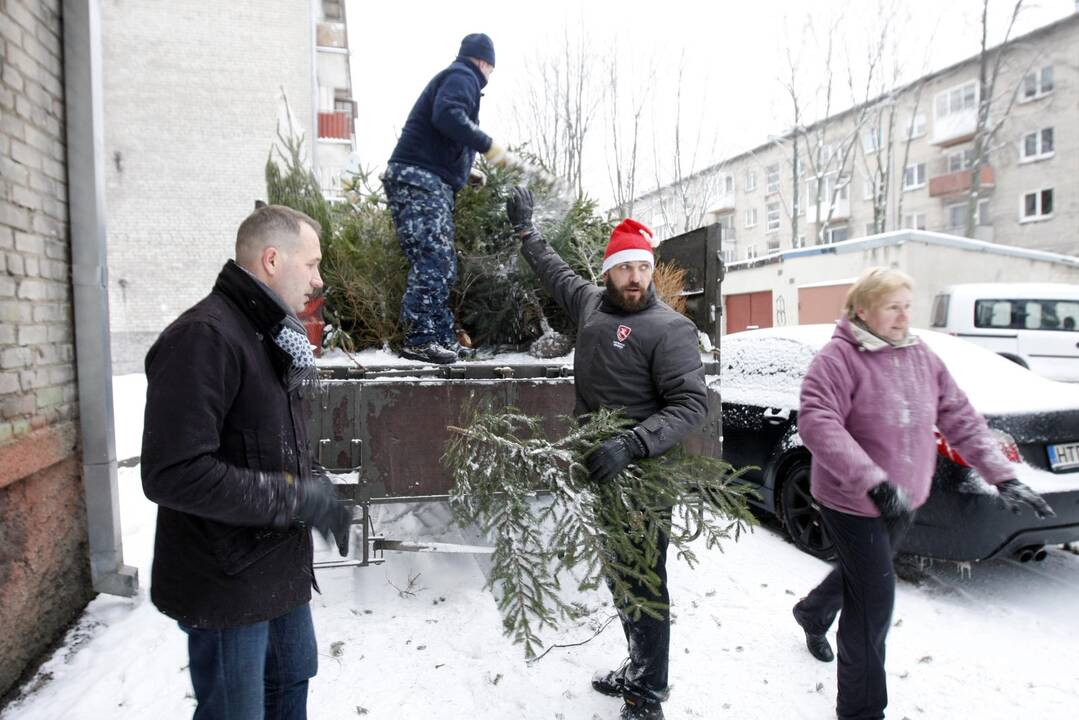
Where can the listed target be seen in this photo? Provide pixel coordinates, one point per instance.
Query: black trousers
(863, 587)
(647, 638)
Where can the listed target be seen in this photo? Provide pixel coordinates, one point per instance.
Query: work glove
(893, 503)
(477, 178)
(500, 157)
(1014, 494)
(319, 507)
(613, 456)
(519, 209)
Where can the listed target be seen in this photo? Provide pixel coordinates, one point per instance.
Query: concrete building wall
(744, 209)
(44, 557)
(192, 93)
(933, 267)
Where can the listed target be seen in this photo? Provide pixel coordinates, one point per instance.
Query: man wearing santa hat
(635, 354)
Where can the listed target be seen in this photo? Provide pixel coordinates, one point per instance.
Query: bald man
(226, 458)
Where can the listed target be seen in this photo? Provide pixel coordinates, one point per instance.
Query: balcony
(335, 125)
(721, 204)
(840, 211)
(956, 183)
(955, 127)
(331, 35)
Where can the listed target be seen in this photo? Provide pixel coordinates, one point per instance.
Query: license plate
(1064, 456)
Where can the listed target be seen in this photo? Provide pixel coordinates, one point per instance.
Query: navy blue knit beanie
(479, 46)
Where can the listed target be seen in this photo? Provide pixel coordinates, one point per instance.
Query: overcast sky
(732, 53)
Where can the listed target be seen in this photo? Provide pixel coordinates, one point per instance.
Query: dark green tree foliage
(499, 461)
(292, 184)
(497, 298)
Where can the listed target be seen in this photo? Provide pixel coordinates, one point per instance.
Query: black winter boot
(611, 682)
(431, 353)
(818, 645)
(636, 707)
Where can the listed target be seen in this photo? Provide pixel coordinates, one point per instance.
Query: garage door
(821, 303)
(746, 310)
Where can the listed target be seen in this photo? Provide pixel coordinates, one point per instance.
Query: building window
(730, 255)
(870, 187)
(1036, 84)
(914, 221)
(751, 181)
(751, 252)
(914, 176)
(1037, 205)
(916, 126)
(957, 99)
(771, 217)
(771, 179)
(836, 233)
(728, 184)
(751, 217)
(1037, 145)
(960, 160)
(957, 215)
(842, 192)
(872, 140)
(800, 241)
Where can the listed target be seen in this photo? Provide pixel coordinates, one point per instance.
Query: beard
(629, 304)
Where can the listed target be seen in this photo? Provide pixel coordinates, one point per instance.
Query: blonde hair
(872, 285)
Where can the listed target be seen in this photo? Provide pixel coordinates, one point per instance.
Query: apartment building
(903, 161)
(194, 95)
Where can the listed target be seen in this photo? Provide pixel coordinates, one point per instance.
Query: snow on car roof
(765, 367)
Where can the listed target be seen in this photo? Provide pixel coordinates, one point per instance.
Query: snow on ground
(419, 637)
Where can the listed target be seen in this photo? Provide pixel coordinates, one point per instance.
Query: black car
(1035, 419)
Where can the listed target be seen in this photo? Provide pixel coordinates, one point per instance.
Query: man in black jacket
(225, 455)
(633, 353)
(431, 162)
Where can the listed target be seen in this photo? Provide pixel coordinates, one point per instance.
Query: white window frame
(728, 184)
(966, 160)
(772, 218)
(1040, 153)
(872, 140)
(830, 181)
(831, 230)
(983, 214)
(771, 179)
(916, 126)
(957, 99)
(751, 181)
(751, 252)
(730, 255)
(870, 186)
(751, 217)
(911, 221)
(918, 184)
(800, 241)
(1039, 196)
(1040, 81)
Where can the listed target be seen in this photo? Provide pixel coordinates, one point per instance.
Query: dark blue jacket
(442, 133)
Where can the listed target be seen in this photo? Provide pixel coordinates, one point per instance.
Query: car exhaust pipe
(1031, 552)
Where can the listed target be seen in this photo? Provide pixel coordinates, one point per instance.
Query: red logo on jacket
(623, 332)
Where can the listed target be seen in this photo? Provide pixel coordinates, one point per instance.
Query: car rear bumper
(963, 526)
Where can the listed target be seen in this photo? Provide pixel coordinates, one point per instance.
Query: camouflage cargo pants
(422, 209)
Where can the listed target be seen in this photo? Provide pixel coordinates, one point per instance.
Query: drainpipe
(89, 270)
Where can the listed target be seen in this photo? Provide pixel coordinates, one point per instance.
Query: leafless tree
(625, 118)
(562, 96)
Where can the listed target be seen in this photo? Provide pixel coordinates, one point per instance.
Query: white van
(1033, 324)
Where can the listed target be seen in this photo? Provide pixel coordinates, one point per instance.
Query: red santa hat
(630, 242)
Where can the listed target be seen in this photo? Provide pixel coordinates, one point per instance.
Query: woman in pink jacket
(869, 403)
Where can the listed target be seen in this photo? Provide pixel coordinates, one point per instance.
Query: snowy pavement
(419, 637)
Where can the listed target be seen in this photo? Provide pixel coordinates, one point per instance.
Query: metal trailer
(387, 426)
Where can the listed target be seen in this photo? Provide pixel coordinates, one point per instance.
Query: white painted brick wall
(191, 106)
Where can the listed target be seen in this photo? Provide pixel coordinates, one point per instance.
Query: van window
(940, 310)
(1026, 314)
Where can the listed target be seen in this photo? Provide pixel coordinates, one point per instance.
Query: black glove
(519, 209)
(613, 455)
(890, 501)
(1014, 493)
(319, 507)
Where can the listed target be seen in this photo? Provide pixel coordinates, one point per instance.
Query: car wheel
(801, 514)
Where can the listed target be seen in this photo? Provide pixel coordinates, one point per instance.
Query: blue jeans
(254, 672)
